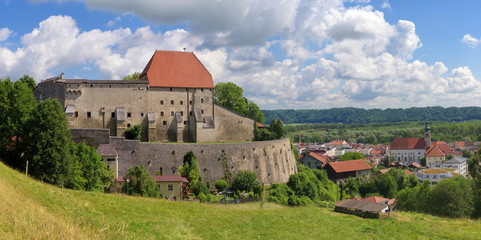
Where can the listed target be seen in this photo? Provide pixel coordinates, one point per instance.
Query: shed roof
(176, 69)
(361, 205)
(349, 166)
(106, 150)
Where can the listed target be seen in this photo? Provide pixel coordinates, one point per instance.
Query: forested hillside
(359, 115)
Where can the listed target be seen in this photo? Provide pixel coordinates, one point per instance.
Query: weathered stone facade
(272, 161)
(179, 112)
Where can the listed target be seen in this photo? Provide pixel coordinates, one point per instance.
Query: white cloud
(285, 54)
(5, 34)
(470, 41)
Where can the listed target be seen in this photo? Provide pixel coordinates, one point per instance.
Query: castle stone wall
(90, 136)
(273, 161)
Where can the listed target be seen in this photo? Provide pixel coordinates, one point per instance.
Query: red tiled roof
(416, 165)
(408, 143)
(434, 152)
(177, 69)
(407, 172)
(337, 142)
(443, 146)
(375, 199)
(349, 166)
(321, 158)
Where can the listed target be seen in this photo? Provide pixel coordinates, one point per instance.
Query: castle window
(161, 102)
(201, 100)
(172, 102)
(89, 114)
(110, 86)
(171, 89)
(202, 111)
(129, 114)
(201, 89)
(128, 125)
(190, 113)
(172, 113)
(112, 114)
(181, 113)
(76, 114)
(181, 102)
(141, 114)
(190, 102)
(185, 122)
(161, 113)
(164, 123)
(91, 85)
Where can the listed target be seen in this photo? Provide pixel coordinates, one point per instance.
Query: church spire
(427, 135)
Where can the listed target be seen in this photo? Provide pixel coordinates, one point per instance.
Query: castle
(173, 101)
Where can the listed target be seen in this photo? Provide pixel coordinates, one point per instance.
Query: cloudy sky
(285, 53)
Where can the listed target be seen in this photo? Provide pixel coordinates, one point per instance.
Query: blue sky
(285, 54)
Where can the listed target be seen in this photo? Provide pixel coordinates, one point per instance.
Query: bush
(202, 197)
(133, 132)
(220, 185)
(245, 181)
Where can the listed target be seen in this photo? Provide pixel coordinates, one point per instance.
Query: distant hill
(359, 115)
(30, 209)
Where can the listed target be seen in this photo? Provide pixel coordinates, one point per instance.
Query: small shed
(363, 208)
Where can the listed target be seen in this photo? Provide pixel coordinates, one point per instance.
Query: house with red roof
(314, 160)
(337, 144)
(339, 172)
(408, 150)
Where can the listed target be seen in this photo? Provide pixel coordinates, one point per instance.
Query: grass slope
(32, 210)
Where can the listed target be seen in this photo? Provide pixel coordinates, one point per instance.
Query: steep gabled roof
(320, 158)
(349, 166)
(176, 69)
(435, 152)
(408, 143)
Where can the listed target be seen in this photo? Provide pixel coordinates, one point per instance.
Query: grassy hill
(32, 210)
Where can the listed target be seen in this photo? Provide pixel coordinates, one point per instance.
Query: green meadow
(30, 209)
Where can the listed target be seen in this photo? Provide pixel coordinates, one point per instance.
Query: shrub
(220, 185)
(133, 132)
(245, 181)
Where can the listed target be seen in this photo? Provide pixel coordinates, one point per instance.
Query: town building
(339, 172)
(459, 164)
(314, 160)
(173, 101)
(172, 187)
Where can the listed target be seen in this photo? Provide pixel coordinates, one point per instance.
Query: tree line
(35, 138)
(359, 115)
(384, 133)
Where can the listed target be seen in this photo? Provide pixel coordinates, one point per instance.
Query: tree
(245, 181)
(387, 186)
(132, 77)
(277, 128)
(191, 171)
(88, 171)
(230, 95)
(29, 81)
(263, 134)
(220, 185)
(134, 132)
(351, 156)
(47, 144)
(414, 199)
(16, 106)
(254, 112)
(452, 197)
(140, 183)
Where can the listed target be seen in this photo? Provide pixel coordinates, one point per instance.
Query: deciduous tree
(140, 183)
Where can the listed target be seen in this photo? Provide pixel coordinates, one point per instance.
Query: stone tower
(427, 135)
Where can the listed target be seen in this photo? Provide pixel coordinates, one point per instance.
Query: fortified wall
(273, 161)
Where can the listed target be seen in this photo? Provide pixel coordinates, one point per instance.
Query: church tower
(427, 135)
